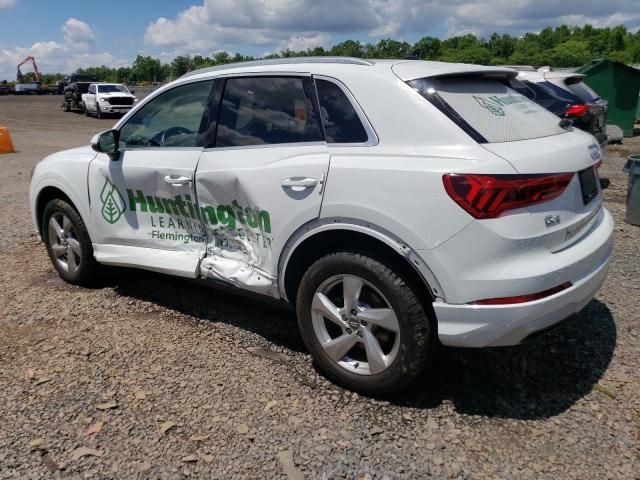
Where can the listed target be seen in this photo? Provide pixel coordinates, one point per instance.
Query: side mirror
(132, 92)
(107, 142)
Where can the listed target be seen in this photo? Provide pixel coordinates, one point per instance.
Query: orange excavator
(20, 76)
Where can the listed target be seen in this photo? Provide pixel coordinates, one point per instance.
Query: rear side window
(339, 117)
(266, 111)
(488, 109)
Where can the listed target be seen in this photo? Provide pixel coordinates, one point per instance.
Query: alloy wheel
(64, 242)
(355, 324)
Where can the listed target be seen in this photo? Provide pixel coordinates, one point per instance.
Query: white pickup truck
(107, 98)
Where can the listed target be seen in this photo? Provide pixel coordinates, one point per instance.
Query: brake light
(579, 110)
(598, 164)
(489, 196)
(523, 298)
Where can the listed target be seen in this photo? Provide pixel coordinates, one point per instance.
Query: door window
(172, 119)
(340, 120)
(266, 111)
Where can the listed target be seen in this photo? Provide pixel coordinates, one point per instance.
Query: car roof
(404, 69)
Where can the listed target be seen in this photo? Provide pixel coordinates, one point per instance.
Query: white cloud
(304, 42)
(78, 33)
(75, 51)
(237, 25)
(232, 25)
(6, 4)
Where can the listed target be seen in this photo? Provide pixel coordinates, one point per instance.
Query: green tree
(428, 48)
(502, 46)
(180, 65)
(571, 53)
(146, 69)
(389, 48)
(348, 48)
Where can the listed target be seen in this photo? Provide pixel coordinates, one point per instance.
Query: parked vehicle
(566, 95)
(450, 209)
(74, 87)
(107, 98)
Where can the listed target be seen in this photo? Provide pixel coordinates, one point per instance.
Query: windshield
(489, 110)
(112, 89)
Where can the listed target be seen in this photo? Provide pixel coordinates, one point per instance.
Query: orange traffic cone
(6, 145)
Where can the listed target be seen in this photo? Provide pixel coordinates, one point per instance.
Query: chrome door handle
(299, 183)
(177, 181)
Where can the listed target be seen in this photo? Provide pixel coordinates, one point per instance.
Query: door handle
(299, 183)
(176, 180)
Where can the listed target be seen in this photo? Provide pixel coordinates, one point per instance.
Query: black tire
(417, 338)
(84, 109)
(88, 269)
(99, 113)
(65, 107)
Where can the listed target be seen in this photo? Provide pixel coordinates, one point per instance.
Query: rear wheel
(84, 109)
(363, 324)
(68, 243)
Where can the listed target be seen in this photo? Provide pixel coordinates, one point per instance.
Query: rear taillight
(489, 196)
(579, 110)
(523, 298)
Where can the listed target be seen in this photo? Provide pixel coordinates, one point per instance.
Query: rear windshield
(584, 91)
(489, 110)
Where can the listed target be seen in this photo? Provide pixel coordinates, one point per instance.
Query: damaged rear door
(262, 178)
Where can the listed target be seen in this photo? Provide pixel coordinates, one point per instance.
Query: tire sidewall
(416, 338)
(83, 274)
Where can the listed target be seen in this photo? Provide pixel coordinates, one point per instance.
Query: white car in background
(108, 98)
(394, 204)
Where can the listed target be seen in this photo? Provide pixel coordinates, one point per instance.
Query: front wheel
(68, 243)
(363, 323)
(99, 113)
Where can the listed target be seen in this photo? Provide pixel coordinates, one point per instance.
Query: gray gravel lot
(148, 376)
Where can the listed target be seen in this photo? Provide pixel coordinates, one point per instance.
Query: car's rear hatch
(564, 220)
(553, 162)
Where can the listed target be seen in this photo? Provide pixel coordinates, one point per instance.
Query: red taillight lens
(488, 196)
(523, 298)
(577, 110)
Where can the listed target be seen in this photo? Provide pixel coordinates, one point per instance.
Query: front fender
(69, 175)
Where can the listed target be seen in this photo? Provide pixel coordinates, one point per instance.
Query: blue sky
(67, 34)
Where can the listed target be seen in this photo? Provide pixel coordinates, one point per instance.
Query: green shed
(620, 85)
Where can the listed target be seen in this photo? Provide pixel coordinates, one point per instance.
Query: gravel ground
(147, 376)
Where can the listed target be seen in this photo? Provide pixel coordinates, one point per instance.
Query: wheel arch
(317, 239)
(51, 192)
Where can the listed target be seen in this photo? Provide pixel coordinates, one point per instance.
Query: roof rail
(282, 61)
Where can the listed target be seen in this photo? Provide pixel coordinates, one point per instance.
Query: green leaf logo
(113, 205)
(489, 105)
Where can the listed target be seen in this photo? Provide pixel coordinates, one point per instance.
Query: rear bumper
(502, 325)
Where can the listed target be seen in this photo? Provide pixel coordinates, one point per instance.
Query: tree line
(563, 46)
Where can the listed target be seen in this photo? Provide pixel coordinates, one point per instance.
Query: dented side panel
(251, 206)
